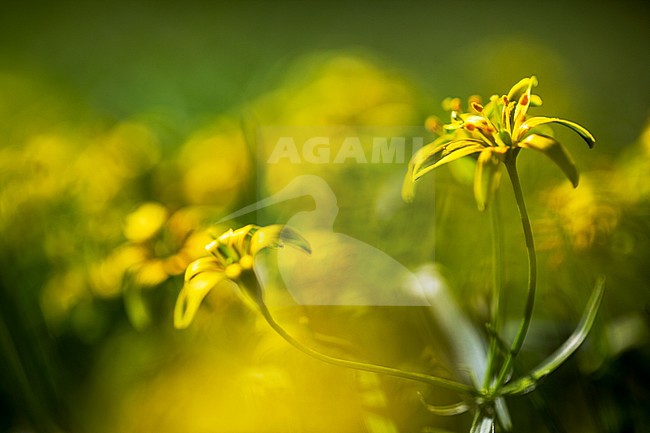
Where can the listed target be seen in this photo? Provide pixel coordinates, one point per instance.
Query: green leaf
(556, 152)
(135, 306)
(536, 121)
(487, 176)
(482, 423)
(528, 383)
(448, 410)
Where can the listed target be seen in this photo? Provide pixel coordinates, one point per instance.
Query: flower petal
(487, 177)
(522, 105)
(521, 87)
(209, 264)
(277, 236)
(535, 101)
(536, 121)
(421, 156)
(454, 150)
(556, 151)
(196, 288)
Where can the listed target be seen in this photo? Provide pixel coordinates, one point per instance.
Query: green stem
(425, 378)
(495, 315)
(511, 166)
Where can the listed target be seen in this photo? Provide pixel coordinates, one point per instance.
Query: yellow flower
(231, 258)
(497, 132)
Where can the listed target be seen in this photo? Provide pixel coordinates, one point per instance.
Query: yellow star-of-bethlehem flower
(497, 132)
(232, 256)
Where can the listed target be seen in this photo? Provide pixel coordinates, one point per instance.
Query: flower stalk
(448, 384)
(518, 341)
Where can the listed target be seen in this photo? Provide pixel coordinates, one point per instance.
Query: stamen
(524, 99)
(476, 107)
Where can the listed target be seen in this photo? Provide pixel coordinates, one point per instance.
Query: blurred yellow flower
(215, 165)
(336, 89)
(145, 222)
(584, 216)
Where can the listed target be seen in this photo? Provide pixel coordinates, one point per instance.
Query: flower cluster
(496, 132)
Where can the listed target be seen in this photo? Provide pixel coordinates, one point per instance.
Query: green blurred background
(125, 131)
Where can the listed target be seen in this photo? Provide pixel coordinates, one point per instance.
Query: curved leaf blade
(527, 383)
(448, 410)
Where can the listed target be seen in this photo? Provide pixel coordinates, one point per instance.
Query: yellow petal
(522, 104)
(192, 294)
(461, 148)
(487, 176)
(536, 121)
(277, 236)
(145, 222)
(204, 264)
(521, 87)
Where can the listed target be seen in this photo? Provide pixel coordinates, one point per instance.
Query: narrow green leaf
(448, 410)
(486, 177)
(527, 383)
(483, 423)
(556, 152)
(536, 121)
(134, 304)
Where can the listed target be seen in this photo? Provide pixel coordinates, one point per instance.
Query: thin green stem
(425, 378)
(517, 343)
(497, 273)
